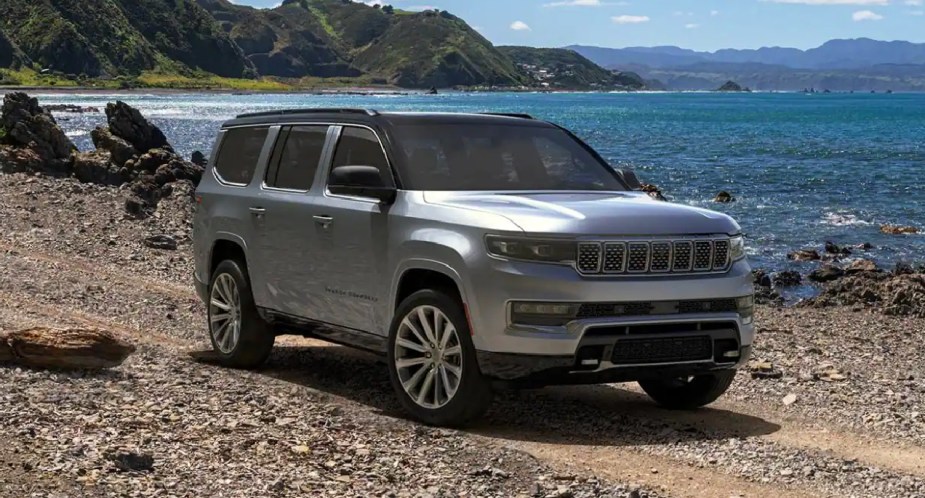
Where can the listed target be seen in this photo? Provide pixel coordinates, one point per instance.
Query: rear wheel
(240, 338)
(432, 361)
(687, 393)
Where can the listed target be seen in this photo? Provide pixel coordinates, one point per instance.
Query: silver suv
(473, 251)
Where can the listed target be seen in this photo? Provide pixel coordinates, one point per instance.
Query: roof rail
(282, 112)
(509, 115)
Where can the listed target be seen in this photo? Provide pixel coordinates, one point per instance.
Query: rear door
(284, 216)
(353, 239)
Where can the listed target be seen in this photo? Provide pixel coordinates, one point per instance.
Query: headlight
(547, 251)
(737, 247)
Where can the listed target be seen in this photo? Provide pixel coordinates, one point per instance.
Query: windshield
(498, 157)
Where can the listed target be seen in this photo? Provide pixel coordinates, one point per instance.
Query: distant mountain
(834, 54)
(839, 65)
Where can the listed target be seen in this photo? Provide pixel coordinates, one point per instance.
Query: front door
(353, 235)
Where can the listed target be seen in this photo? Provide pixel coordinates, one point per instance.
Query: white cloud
(680, 13)
(714, 13)
(833, 2)
(692, 26)
(520, 26)
(866, 15)
(625, 19)
(914, 3)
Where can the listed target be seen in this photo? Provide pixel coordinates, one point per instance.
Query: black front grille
(639, 257)
(589, 258)
(683, 251)
(614, 257)
(661, 257)
(703, 255)
(662, 350)
(720, 254)
(653, 257)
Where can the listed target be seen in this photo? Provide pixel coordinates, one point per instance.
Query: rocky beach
(832, 404)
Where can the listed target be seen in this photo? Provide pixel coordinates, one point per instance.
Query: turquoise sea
(804, 168)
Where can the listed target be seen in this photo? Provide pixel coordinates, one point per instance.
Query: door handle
(258, 211)
(324, 221)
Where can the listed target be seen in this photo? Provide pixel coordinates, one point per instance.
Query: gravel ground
(320, 420)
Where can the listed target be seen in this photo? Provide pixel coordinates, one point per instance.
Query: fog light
(731, 354)
(746, 307)
(550, 314)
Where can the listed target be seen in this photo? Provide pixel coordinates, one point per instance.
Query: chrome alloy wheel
(225, 313)
(428, 357)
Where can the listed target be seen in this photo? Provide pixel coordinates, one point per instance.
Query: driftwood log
(43, 347)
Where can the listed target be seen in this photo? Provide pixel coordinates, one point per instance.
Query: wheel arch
(226, 246)
(417, 274)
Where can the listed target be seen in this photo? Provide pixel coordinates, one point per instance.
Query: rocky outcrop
(724, 197)
(826, 273)
(898, 229)
(25, 124)
(731, 86)
(64, 348)
(900, 295)
(653, 191)
(127, 123)
(804, 255)
(129, 150)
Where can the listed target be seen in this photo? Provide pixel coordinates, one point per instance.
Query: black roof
(347, 115)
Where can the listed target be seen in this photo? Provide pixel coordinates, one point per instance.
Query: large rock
(804, 255)
(826, 273)
(19, 160)
(898, 229)
(120, 150)
(64, 348)
(902, 295)
(25, 124)
(96, 167)
(127, 123)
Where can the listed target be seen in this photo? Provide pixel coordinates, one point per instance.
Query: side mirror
(361, 181)
(630, 179)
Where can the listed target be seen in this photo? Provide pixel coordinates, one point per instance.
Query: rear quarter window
(239, 153)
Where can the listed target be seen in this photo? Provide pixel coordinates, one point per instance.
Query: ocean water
(805, 169)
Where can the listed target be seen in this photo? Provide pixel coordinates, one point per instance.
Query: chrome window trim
(330, 166)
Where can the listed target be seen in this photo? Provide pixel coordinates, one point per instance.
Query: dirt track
(861, 437)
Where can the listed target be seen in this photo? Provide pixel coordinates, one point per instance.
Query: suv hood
(590, 213)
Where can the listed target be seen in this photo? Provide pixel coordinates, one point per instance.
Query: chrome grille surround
(663, 256)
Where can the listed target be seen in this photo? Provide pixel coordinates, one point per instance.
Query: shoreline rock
(898, 230)
(129, 150)
(724, 197)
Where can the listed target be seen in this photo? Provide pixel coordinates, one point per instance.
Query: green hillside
(203, 43)
(562, 68)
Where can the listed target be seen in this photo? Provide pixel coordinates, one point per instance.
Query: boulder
(826, 273)
(127, 123)
(788, 278)
(163, 242)
(861, 265)
(96, 167)
(832, 248)
(120, 150)
(653, 191)
(153, 159)
(19, 160)
(724, 197)
(43, 347)
(900, 295)
(898, 229)
(24, 123)
(199, 159)
(804, 255)
(761, 278)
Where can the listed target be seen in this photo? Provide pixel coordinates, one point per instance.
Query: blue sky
(696, 24)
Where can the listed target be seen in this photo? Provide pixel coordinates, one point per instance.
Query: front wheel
(240, 337)
(432, 361)
(687, 393)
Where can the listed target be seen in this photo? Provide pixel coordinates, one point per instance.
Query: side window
(240, 150)
(360, 147)
(296, 158)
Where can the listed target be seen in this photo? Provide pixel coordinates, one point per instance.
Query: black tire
(256, 336)
(473, 395)
(688, 394)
